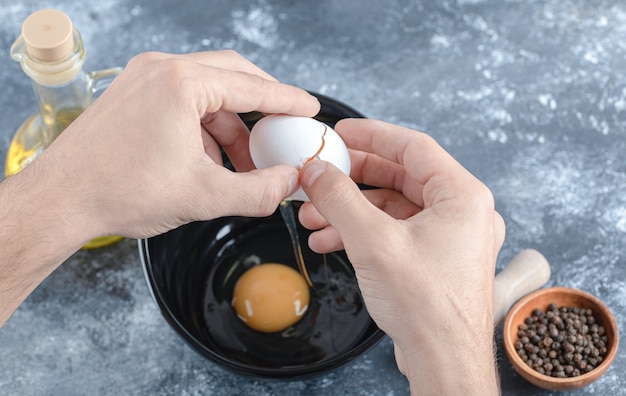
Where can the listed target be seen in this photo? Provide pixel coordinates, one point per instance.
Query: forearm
(39, 229)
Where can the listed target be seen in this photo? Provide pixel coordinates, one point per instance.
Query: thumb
(338, 199)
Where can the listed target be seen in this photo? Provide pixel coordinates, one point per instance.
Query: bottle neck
(62, 88)
(50, 73)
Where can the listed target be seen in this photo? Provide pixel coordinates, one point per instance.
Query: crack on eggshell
(314, 156)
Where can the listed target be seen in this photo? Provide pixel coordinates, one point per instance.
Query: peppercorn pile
(561, 342)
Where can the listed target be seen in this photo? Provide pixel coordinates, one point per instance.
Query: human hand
(144, 159)
(423, 247)
(147, 151)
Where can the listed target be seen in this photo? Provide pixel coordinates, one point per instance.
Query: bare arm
(144, 159)
(39, 229)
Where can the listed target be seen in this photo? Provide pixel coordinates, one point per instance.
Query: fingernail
(311, 172)
(293, 184)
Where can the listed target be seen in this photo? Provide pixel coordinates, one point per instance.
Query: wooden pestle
(527, 272)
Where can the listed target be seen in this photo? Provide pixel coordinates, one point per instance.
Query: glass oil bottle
(51, 52)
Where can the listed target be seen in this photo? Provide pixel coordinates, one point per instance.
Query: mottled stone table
(529, 95)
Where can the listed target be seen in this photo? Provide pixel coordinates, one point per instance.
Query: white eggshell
(290, 140)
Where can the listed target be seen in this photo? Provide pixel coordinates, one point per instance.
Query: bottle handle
(100, 79)
(18, 49)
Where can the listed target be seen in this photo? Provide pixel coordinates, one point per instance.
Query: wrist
(43, 215)
(456, 358)
(40, 213)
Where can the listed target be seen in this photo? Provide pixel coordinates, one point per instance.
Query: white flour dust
(551, 182)
(256, 25)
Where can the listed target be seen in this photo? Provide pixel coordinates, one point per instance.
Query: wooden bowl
(562, 296)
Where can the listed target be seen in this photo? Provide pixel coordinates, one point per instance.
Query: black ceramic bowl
(191, 272)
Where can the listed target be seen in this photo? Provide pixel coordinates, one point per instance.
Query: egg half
(291, 140)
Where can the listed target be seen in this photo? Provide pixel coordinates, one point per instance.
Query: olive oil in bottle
(29, 141)
(51, 52)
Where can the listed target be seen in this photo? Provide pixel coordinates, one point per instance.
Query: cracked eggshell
(290, 140)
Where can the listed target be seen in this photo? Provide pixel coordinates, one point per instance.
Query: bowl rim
(509, 335)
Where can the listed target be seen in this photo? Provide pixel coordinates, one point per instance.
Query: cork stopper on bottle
(48, 35)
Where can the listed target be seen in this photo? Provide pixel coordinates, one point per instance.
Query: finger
(211, 147)
(310, 218)
(254, 193)
(230, 60)
(391, 202)
(214, 88)
(374, 170)
(231, 133)
(423, 159)
(326, 240)
(240, 92)
(340, 201)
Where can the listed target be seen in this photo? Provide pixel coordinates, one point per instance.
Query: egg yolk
(270, 297)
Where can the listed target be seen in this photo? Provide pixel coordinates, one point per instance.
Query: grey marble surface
(528, 95)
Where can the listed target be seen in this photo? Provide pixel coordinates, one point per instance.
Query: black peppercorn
(568, 357)
(554, 332)
(558, 321)
(562, 341)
